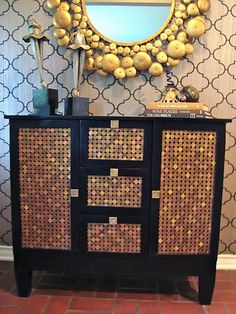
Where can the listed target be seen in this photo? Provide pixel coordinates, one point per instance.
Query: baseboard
(6, 253)
(225, 261)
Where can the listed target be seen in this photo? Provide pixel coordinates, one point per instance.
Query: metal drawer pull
(115, 124)
(74, 192)
(113, 220)
(155, 194)
(114, 172)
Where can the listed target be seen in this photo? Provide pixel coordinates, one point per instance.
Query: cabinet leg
(23, 281)
(206, 285)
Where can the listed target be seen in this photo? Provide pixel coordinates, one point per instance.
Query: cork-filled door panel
(119, 235)
(120, 143)
(118, 191)
(187, 184)
(45, 182)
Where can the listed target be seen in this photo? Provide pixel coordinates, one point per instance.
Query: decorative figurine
(77, 105)
(171, 93)
(44, 99)
(188, 94)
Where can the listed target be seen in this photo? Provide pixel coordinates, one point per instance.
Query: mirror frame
(127, 2)
(164, 49)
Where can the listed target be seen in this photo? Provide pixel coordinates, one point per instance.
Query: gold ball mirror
(127, 37)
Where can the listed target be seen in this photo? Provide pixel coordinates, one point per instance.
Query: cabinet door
(184, 172)
(41, 165)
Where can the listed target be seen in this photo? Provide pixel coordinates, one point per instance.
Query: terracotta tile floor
(55, 293)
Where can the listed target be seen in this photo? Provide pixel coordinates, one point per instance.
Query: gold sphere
(161, 57)
(156, 69)
(89, 64)
(172, 62)
(130, 72)
(182, 36)
(52, 4)
(192, 9)
(63, 42)
(102, 72)
(64, 6)
(176, 49)
(110, 62)
(112, 46)
(98, 62)
(189, 49)
(126, 51)
(59, 32)
(195, 28)
(61, 19)
(142, 61)
(119, 73)
(127, 62)
(204, 5)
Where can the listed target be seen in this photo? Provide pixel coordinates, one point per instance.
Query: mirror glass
(127, 21)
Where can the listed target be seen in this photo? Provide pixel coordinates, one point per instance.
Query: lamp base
(45, 101)
(76, 106)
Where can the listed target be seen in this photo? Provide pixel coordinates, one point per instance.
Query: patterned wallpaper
(211, 69)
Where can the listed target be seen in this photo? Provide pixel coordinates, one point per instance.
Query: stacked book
(177, 110)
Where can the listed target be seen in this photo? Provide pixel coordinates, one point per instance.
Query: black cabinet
(123, 196)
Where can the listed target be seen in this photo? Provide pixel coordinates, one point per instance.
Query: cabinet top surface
(59, 117)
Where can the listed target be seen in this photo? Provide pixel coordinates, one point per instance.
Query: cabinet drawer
(118, 238)
(118, 235)
(103, 192)
(122, 142)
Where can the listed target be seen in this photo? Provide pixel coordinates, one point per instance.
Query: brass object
(113, 220)
(115, 124)
(185, 17)
(114, 172)
(155, 194)
(170, 94)
(79, 47)
(36, 39)
(74, 192)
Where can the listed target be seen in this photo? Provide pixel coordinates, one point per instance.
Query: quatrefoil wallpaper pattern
(211, 69)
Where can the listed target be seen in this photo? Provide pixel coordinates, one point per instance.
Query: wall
(211, 69)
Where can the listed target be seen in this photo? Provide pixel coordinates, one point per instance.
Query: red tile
(137, 296)
(231, 308)
(105, 295)
(57, 305)
(85, 294)
(88, 312)
(168, 297)
(181, 308)
(34, 305)
(215, 308)
(223, 275)
(7, 282)
(55, 292)
(9, 299)
(225, 285)
(5, 266)
(148, 308)
(224, 296)
(125, 307)
(9, 310)
(90, 304)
